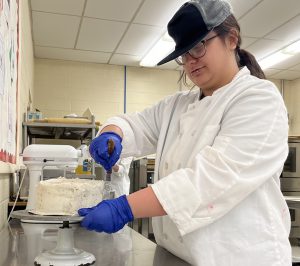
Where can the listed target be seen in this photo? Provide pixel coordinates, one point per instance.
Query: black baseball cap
(192, 22)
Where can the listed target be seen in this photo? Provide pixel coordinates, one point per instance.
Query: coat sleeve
(249, 149)
(124, 166)
(120, 180)
(141, 130)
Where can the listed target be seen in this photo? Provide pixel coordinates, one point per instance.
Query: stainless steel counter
(22, 242)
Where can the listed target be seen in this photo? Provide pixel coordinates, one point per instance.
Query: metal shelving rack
(58, 131)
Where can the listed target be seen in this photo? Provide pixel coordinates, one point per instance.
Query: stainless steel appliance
(141, 175)
(290, 184)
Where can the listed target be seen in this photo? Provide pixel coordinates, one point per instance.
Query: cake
(63, 196)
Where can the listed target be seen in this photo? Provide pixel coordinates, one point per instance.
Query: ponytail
(244, 58)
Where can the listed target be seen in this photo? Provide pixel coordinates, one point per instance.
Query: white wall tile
(292, 98)
(71, 87)
(4, 187)
(3, 213)
(4, 195)
(26, 66)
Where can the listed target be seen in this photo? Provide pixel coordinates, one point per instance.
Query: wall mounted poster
(9, 42)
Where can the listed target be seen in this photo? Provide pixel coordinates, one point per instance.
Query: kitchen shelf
(18, 203)
(58, 131)
(67, 131)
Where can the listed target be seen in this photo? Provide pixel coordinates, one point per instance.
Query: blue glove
(99, 149)
(108, 216)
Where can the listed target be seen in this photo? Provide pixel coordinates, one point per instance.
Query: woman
(219, 149)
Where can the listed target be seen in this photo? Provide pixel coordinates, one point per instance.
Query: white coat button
(179, 165)
(180, 239)
(165, 236)
(166, 166)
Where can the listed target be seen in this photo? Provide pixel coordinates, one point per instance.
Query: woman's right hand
(99, 149)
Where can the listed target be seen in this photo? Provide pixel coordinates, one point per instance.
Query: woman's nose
(190, 59)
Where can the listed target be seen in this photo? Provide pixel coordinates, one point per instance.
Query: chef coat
(120, 181)
(218, 161)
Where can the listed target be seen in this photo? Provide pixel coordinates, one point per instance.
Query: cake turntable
(65, 253)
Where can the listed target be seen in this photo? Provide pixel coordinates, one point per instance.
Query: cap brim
(182, 51)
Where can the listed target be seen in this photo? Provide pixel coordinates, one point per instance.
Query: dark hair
(243, 57)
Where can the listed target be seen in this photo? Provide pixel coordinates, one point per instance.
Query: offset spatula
(110, 147)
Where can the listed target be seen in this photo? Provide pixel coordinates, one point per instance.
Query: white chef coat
(120, 181)
(219, 172)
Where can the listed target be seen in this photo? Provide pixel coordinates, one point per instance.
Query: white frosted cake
(62, 196)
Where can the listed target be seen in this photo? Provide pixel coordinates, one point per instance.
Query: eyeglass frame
(203, 42)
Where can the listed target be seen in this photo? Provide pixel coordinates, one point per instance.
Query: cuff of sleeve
(180, 199)
(128, 144)
(119, 173)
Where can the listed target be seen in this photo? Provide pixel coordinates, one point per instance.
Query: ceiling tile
(139, 39)
(263, 48)
(69, 54)
(100, 35)
(288, 63)
(246, 41)
(297, 67)
(157, 12)
(266, 26)
(112, 9)
(122, 59)
(54, 30)
(70, 7)
(271, 71)
(287, 74)
(288, 33)
(241, 8)
(263, 19)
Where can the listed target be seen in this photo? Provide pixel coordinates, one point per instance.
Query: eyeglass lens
(196, 52)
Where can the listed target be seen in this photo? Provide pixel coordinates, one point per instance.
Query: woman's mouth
(197, 71)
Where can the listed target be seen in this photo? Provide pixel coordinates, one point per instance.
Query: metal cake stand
(64, 254)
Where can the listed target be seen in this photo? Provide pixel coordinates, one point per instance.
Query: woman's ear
(232, 39)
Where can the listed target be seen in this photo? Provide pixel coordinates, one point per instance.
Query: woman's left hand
(108, 216)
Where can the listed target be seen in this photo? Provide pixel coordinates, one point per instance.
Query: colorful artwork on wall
(9, 43)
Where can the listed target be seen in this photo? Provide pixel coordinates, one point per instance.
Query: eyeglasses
(196, 52)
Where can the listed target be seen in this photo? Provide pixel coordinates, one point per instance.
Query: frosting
(63, 196)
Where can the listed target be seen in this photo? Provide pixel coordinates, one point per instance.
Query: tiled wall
(292, 100)
(146, 86)
(4, 195)
(26, 66)
(64, 87)
(291, 96)
(26, 73)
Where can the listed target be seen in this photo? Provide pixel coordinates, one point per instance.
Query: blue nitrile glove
(99, 149)
(108, 216)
